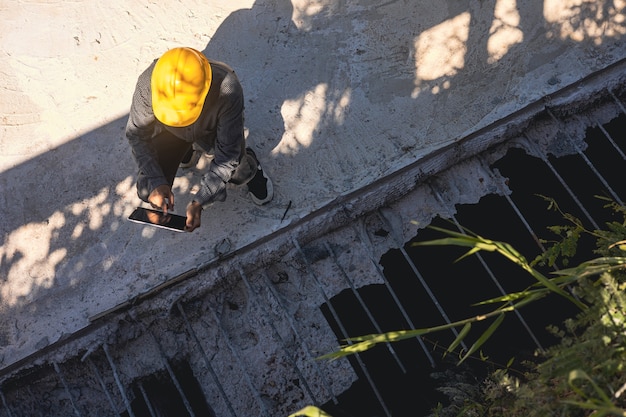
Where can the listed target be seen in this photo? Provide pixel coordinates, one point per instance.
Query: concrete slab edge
(350, 206)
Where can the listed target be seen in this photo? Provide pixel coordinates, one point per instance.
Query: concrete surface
(338, 94)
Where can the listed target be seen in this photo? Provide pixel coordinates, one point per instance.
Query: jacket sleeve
(229, 143)
(140, 129)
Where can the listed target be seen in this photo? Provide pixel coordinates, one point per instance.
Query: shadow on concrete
(337, 95)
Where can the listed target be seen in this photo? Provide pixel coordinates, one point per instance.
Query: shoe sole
(270, 193)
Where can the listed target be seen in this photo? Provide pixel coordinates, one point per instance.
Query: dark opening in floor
(158, 395)
(459, 285)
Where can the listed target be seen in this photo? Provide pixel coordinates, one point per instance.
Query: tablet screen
(157, 218)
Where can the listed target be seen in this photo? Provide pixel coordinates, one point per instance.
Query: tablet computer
(157, 218)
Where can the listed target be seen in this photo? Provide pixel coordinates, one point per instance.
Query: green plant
(582, 375)
(505, 304)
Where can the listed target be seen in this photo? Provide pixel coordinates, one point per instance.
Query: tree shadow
(338, 94)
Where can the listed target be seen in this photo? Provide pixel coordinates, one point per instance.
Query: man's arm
(229, 143)
(139, 131)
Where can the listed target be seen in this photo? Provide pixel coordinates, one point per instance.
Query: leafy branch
(508, 303)
(584, 373)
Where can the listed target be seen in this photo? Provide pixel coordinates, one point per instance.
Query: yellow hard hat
(180, 82)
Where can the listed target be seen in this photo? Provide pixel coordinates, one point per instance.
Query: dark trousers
(170, 153)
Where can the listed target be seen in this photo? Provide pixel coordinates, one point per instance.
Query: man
(183, 102)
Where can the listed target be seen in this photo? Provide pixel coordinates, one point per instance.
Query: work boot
(260, 187)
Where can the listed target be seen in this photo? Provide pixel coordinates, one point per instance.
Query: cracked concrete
(338, 95)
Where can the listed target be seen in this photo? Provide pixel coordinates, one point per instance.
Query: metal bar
(171, 373)
(617, 101)
(486, 267)
(205, 356)
(4, 403)
(342, 328)
(365, 241)
(599, 176)
(569, 191)
(589, 164)
(419, 276)
(240, 361)
(613, 143)
(294, 329)
(105, 348)
(146, 400)
(518, 211)
(493, 173)
(392, 351)
(288, 353)
(67, 389)
(94, 369)
(32, 395)
(517, 312)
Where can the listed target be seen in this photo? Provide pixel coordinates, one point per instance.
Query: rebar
(146, 400)
(171, 373)
(233, 349)
(67, 389)
(489, 271)
(295, 331)
(95, 371)
(4, 403)
(419, 276)
(564, 184)
(270, 321)
(341, 327)
(364, 306)
(120, 387)
(365, 241)
(205, 356)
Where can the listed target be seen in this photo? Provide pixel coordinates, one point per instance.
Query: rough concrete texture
(250, 331)
(338, 94)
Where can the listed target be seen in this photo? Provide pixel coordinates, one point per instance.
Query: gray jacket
(218, 130)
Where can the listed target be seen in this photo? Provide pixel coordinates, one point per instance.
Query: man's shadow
(267, 51)
(247, 41)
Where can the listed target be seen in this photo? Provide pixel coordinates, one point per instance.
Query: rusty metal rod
(239, 358)
(617, 101)
(486, 267)
(270, 321)
(400, 241)
(611, 141)
(146, 400)
(567, 188)
(367, 244)
(120, 387)
(344, 333)
(370, 316)
(205, 356)
(95, 371)
(582, 155)
(170, 372)
(295, 331)
(67, 389)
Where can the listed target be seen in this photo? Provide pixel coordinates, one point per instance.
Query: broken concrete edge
(197, 281)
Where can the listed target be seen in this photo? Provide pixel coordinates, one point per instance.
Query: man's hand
(162, 198)
(194, 214)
